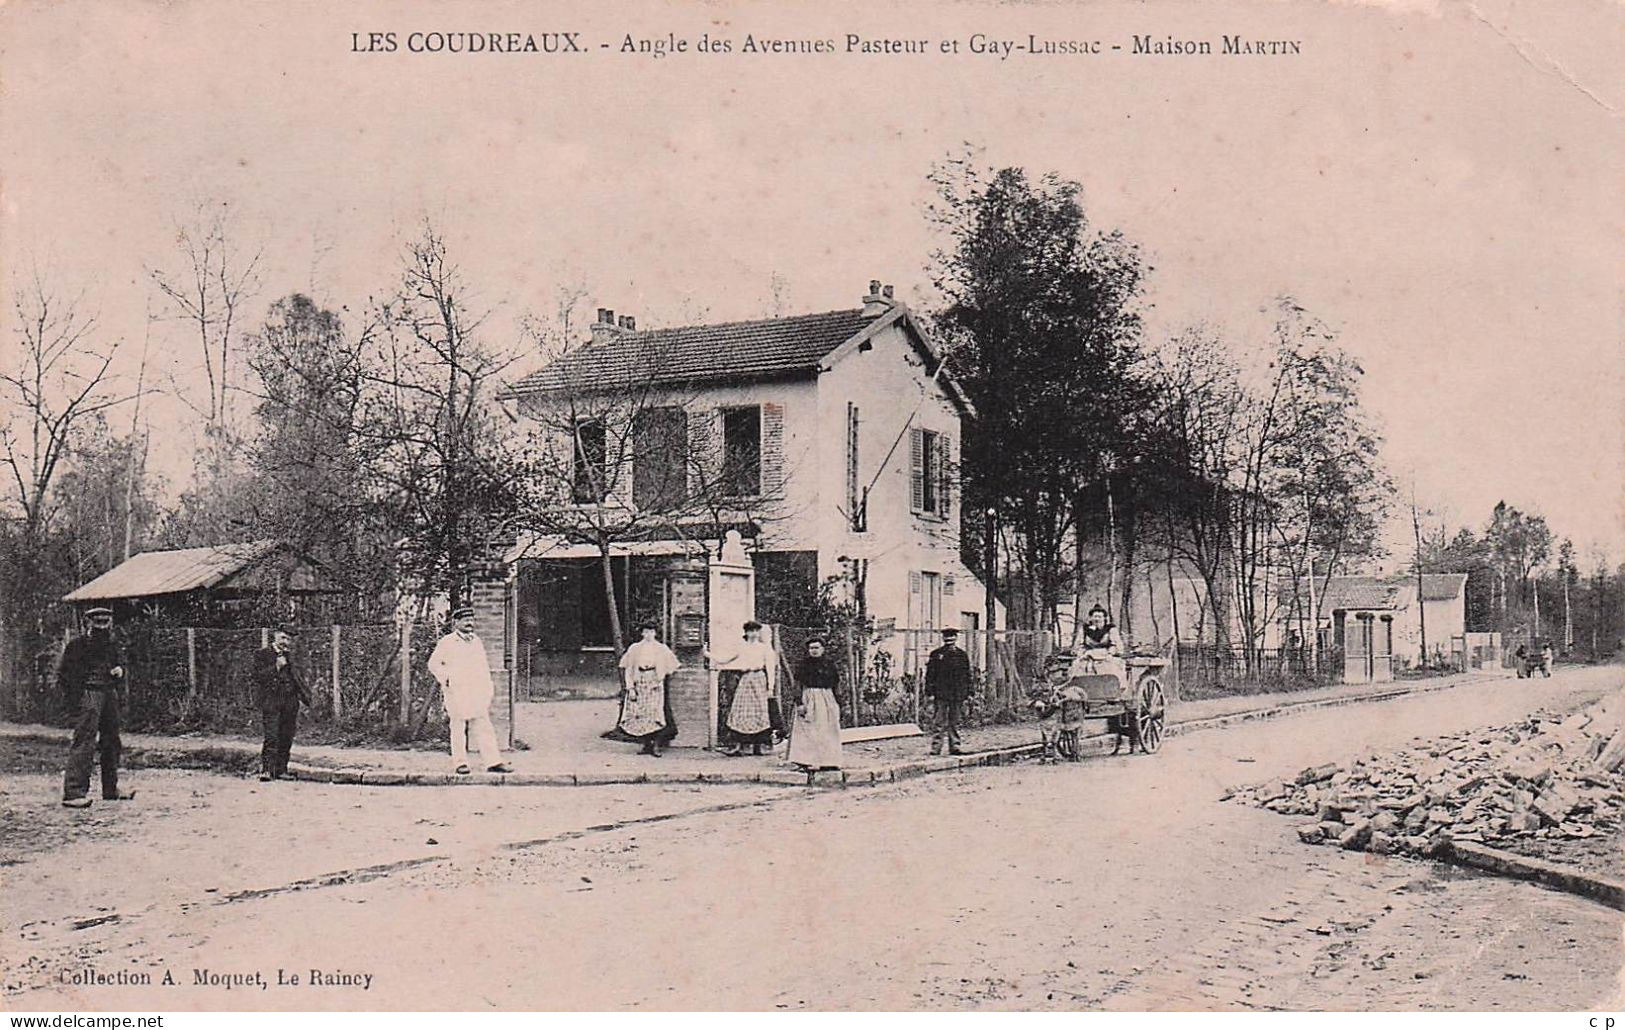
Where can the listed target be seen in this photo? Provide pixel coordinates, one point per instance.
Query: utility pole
(1421, 594)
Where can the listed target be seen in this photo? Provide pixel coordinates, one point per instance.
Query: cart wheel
(1153, 710)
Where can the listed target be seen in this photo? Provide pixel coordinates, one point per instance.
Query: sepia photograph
(906, 506)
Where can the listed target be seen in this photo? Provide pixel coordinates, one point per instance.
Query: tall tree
(1040, 312)
(428, 422)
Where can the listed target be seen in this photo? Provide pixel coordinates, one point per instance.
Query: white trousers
(485, 739)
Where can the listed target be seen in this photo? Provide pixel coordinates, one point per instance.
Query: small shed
(225, 585)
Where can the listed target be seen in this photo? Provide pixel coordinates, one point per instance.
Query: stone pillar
(690, 686)
(489, 599)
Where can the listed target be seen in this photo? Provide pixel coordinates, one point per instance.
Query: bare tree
(55, 385)
(214, 278)
(427, 422)
(60, 381)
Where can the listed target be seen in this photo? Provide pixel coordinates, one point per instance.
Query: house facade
(828, 442)
(1400, 609)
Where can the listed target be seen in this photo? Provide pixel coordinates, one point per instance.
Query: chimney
(629, 323)
(875, 302)
(605, 328)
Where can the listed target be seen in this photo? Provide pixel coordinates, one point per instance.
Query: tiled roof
(701, 353)
(1443, 586)
(172, 572)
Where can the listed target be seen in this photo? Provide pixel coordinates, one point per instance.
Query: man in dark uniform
(91, 673)
(947, 684)
(279, 690)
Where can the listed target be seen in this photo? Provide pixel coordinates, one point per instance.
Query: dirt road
(1117, 883)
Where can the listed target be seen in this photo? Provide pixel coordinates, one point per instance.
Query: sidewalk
(567, 751)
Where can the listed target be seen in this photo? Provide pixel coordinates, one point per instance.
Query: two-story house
(828, 441)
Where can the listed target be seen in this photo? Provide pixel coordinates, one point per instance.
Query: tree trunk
(615, 628)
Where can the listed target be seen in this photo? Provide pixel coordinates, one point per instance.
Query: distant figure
(460, 666)
(947, 684)
(279, 690)
(645, 704)
(748, 721)
(815, 736)
(90, 675)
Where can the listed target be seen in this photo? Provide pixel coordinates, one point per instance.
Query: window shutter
(945, 476)
(914, 580)
(705, 451)
(916, 470)
(772, 450)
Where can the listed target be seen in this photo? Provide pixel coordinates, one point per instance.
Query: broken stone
(1383, 822)
(1331, 830)
(1381, 843)
(1554, 804)
(1330, 813)
(1318, 773)
(1311, 834)
(1356, 836)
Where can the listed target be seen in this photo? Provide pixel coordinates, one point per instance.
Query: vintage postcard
(726, 506)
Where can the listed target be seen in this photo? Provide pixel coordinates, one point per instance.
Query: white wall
(894, 393)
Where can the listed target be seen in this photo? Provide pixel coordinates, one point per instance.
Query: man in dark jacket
(91, 672)
(947, 685)
(279, 691)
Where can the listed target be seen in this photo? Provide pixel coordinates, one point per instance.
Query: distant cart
(1138, 696)
(1533, 657)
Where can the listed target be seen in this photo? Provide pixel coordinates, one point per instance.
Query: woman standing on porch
(645, 706)
(815, 737)
(758, 666)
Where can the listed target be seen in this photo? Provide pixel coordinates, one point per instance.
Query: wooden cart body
(1137, 695)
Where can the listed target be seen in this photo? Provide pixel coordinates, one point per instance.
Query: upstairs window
(742, 451)
(929, 478)
(659, 458)
(587, 464)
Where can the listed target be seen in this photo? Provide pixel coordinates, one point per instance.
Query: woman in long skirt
(748, 722)
(815, 737)
(645, 705)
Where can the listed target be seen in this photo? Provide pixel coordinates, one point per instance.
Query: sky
(1440, 182)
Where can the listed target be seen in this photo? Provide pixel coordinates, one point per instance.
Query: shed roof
(152, 573)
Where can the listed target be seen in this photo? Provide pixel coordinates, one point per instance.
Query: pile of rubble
(1549, 776)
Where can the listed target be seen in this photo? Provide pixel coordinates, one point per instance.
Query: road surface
(1116, 883)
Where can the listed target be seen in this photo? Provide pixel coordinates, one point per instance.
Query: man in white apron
(460, 665)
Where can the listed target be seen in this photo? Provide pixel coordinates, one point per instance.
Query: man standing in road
(91, 673)
(947, 684)
(279, 690)
(460, 666)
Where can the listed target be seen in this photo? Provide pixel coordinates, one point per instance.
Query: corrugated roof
(151, 573)
(700, 353)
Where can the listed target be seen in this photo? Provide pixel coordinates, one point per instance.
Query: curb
(1520, 867)
(1095, 744)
